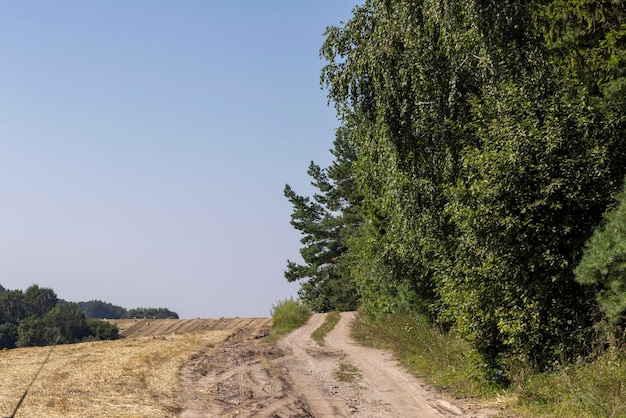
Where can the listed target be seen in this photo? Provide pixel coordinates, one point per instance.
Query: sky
(145, 146)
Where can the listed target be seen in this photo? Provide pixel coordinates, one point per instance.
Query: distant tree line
(478, 176)
(104, 310)
(36, 317)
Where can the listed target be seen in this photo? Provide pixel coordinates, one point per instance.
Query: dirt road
(299, 378)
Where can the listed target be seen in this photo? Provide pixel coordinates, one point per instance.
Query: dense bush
(37, 318)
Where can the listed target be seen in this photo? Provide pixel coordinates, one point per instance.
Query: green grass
(589, 389)
(332, 318)
(287, 315)
(594, 387)
(346, 372)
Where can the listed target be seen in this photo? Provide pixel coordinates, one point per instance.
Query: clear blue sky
(145, 145)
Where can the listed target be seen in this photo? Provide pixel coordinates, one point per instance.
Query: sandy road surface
(297, 378)
(382, 389)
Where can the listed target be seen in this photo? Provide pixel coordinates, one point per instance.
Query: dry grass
(135, 377)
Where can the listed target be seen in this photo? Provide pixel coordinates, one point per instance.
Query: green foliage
(603, 264)
(156, 313)
(12, 307)
(33, 332)
(585, 389)
(67, 322)
(8, 335)
(332, 318)
(101, 330)
(523, 210)
(588, 41)
(326, 221)
(37, 300)
(288, 315)
(37, 318)
(102, 310)
(490, 137)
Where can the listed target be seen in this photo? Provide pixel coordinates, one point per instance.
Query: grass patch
(332, 318)
(346, 372)
(287, 315)
(588, 389)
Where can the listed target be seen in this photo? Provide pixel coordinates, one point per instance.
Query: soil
(246, 377)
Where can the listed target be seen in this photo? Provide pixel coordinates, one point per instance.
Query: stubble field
(139, 376)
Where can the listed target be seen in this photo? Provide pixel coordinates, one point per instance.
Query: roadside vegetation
(590, 387)
(287, 315)
(332, 318)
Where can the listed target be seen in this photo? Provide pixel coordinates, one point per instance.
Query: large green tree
(401, 73)
(485, 161)
(327, 221)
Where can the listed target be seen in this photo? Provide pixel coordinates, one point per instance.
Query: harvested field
(132, 377)
(156, 327)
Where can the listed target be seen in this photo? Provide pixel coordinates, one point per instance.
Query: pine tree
(604, 263)
(326, 221)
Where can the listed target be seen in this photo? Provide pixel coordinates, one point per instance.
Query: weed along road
(217, 368)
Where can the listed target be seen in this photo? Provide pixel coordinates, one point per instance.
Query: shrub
(288, 315)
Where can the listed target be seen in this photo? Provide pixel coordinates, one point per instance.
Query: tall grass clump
(288, 315)
(595, 389)
(592, 387)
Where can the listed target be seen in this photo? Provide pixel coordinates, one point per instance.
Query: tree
(603, 264)
(101, 330)
(12, 306)
(8, 335)
(102, 310)
(326, 221)
(161, 313)
(34, 332)
(403, 73)
(67, 323)
(483, 163)
(38, 300)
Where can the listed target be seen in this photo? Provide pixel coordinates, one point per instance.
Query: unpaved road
(298, 378)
